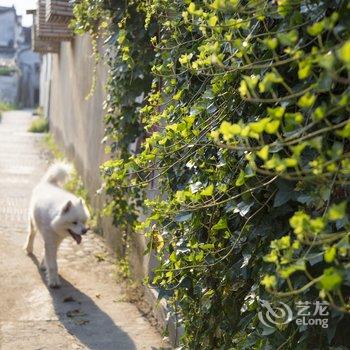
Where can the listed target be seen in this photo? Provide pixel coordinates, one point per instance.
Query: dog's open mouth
(76, 237)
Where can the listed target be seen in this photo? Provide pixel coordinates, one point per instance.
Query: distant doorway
(36, 96)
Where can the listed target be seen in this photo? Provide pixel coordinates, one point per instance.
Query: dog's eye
(74, 223)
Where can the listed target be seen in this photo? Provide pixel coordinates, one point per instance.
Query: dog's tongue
(77, 238)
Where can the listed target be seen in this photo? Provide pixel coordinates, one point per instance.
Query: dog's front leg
(51, 263)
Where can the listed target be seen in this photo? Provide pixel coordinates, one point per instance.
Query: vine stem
(296, 291)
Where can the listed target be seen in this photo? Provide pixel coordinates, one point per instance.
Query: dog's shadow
(73, 309)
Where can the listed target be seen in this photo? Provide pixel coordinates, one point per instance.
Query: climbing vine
(91, 17)
(229, 127)
(129, 55)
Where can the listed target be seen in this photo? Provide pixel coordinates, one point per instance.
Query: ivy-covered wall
(238, 112)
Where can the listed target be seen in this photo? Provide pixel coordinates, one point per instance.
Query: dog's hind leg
(30, 237)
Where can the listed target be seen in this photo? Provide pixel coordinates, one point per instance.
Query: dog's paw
(54, 283)
(28, 249)
(42, 266)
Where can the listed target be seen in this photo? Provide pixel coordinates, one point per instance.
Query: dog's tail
(57, 173)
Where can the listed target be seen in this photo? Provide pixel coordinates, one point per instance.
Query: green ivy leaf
(208, 191)
(272, 257)
(337, 211)
(344, 52)
(191, 8)
(288, 39)
(269, 281)
(220, 225)
(307, 100)
(319, 113)
(345, 132)
(241, 179)
(276, 113)
(212, 21)
(229, 130)
(331, 279)
(259, 126)
(316, 28)
(284, 7)
(272, 127)
(264, 152)
(271, 43)
(305, 68)
(330, 254)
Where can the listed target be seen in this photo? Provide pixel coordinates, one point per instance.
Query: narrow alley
(87, 312)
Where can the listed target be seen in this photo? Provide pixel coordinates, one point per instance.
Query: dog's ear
(67, 207)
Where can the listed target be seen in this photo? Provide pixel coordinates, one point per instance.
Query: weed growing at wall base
(39, 125)
(49, 144)
(5, 106)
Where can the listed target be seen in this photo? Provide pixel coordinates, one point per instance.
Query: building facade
(19, 65)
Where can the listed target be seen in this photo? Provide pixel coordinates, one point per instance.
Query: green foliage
(129, 54)
(93, 18)
(7, 71)
(39, 125)
(5, 106)
(244, 145)
(76, 185)
(50, 144)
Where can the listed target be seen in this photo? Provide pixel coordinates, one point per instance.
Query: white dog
(56, 214)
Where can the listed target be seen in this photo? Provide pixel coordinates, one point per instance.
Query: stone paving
(86, 313)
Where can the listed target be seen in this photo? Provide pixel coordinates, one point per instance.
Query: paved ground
(86, 313)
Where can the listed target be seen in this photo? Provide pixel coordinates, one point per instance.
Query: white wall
(45, 83)
(76, 122)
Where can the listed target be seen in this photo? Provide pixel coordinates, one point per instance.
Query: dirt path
(86, 313)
